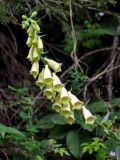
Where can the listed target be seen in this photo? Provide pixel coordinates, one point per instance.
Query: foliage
(25, 137)
(93, 146)
(75, 79)
(34, 131)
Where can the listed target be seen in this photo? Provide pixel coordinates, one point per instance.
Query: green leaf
(58, 119)
(116, 102)
(4, 129)
(46, 122)
(98, 107)
(117, 152)
(74, 140)
(105, 118)
(60, 132)
(99, 32)
(19, 156)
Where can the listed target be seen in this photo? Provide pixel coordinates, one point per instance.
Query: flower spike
(64, 102)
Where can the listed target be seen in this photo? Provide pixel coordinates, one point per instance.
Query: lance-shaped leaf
(35, 55)
(64, 97)
(40, 82)
(76, 104)
(57, 85)
(53, 64)
(89, 118)
(48, 92)
(57, 107)
(66, 110)
(47, 75)
(40, 46)
(35, 69)
(30, 54)
(70, 119)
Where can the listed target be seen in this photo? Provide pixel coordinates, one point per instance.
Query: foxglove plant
(64, 102)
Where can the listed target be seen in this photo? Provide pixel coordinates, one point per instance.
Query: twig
(114, 53)
(96, 77)
(5, 154)
(73, 53)
(95, 51)
(84, 56)
(35, 99)
(14, 39)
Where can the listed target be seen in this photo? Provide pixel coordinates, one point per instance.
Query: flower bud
(37, 28)
(40, 46)
(64, 96)
(30, 54)
(35, 38)
(34, 14)
(40, 81)
(89, 119)
(75, 101)
(47, 75)
(29, 42)
(35, 69)
(54, 65)
(24, 17)
(57, 85)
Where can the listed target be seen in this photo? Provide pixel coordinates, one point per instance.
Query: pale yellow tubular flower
(57, 107)
(75, 101)
(40, 82)
(66, 110)
(54, 65)
(35, 56)
(30, 54)
(47, 76)
(40, 46)
(57, 85)
(48, 92)
(53, 97)
(35, 69)
(89, 118)
(64, 97)
(71, 118)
